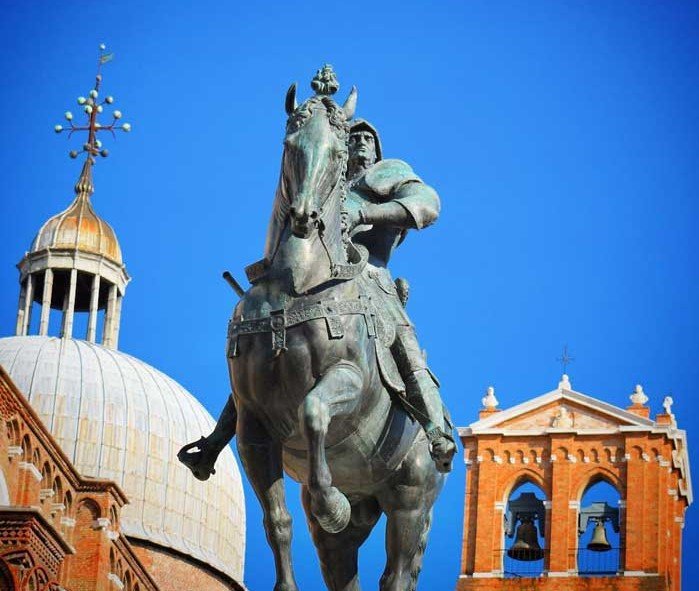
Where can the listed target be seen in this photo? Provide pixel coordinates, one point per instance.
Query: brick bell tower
(567, 492)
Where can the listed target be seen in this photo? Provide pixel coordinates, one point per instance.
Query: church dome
(117, 417)
(79, 227)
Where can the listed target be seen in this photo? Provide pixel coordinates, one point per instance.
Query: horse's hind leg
(336, 393)
(262, 460)
(407, 502)
(338, 552)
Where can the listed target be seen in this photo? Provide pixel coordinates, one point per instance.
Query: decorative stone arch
(46, 474)
(594, 475)
(68, 502)
(86, 503)
(636, 452)
(26, 449)
(560, 454)
(12, 432)
(520, 477)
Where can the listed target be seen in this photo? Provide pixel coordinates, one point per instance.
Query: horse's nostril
(314, 215)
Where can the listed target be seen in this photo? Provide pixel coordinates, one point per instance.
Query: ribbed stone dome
(79, 227)
(117, 417)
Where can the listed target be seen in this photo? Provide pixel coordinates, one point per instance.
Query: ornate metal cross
(565, 359)
(92, 108)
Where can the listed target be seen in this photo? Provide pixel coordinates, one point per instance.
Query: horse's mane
(280, 208)
(336, 116)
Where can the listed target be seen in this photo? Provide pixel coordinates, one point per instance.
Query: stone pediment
(560, 410)
(562, 414)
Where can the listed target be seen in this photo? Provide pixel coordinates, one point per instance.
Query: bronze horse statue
(309, 396)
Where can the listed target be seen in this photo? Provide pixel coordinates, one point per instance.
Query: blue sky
(561, 137)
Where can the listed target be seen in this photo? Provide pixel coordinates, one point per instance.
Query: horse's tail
(416, 563)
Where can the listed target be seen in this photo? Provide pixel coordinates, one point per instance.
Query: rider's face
(361, 145)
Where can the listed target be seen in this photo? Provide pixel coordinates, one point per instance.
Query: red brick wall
(173, 573)
(564, 464)
(564, 584)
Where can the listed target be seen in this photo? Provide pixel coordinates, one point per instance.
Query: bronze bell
(526, 546)
(599, 542)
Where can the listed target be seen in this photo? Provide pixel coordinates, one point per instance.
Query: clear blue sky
(562, 138)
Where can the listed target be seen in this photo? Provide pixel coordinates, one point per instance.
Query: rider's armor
(394, 181)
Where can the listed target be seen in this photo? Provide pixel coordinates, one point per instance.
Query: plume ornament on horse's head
(324, 84)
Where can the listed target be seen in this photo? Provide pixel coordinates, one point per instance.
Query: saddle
(380, 328)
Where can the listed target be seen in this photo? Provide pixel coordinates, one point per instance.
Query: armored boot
(423, 401)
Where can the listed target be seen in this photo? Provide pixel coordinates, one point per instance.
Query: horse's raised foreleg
(336, 393)
(338, 552)
(262, 459)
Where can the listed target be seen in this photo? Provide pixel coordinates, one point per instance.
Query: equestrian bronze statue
(329, 383)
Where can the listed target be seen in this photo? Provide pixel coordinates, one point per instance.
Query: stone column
(29, 304)
(24, 308)
(46, 303)
(108, 331)
(69, 306)
(117, 322)
(94, 303)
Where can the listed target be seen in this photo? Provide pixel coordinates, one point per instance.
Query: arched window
(524, 547)
(26, 449)
(6, 581)
(599, 553)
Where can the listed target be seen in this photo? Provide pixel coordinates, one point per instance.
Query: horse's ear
(290, 103)
(350, 104)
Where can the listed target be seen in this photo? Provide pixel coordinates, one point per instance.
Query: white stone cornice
(46, 493)
(101, 523)
(116, 580)
(32, 469)
(14, 450)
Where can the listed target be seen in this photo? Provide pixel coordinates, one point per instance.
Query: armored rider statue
(385, 199)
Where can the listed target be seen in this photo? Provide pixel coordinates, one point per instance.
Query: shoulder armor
(384, 176)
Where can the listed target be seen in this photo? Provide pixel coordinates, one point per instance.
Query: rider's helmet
(363, 125)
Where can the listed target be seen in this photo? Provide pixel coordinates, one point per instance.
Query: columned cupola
(74, 264)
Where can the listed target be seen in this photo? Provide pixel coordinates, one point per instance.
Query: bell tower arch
(568, 492)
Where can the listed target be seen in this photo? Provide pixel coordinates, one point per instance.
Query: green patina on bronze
(329, 382)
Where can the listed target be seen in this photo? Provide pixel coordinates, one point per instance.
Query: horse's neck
(306, 263)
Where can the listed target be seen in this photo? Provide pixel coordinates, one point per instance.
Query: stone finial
(564, 384)
(667, 404)
(638, 397)
(489, 401)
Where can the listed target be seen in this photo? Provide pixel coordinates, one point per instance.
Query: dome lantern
(74, 264)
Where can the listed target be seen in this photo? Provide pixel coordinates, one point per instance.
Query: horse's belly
(368, 455)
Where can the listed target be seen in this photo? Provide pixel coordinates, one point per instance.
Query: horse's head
(315, 156)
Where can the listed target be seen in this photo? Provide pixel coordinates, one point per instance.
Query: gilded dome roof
(79, 227)
(117, 417)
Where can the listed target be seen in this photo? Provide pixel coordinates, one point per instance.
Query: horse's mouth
(301, 229)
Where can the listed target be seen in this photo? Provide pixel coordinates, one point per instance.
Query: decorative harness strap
(279, 320)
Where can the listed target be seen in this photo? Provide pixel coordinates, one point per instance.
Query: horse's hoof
(199, 462)
(332, 510)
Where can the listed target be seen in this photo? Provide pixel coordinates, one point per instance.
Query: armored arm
(403, 200)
